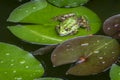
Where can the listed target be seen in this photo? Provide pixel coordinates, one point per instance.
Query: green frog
(69, 24)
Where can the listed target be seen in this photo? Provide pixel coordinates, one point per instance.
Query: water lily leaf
(115, 72)
(25, 10)
(44, 50)
(111, 26)
(43, 27)
(38, 13)
(48, 78)
(38, 34)
(91, 54)
(17, 64)
(68, 3)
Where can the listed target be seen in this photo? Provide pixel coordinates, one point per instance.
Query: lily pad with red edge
(43, 27)
(90, 54)
(17, 64)
(115, 72)
(111, 26)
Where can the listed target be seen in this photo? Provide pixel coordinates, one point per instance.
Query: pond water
(103, 8)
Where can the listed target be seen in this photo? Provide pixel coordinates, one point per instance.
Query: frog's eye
(67, 29)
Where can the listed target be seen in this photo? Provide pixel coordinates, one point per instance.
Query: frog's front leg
(74, 32)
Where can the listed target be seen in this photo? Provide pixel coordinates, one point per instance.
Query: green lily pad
(27, 9)
(43, 27)
(68, 3)
(17, 64)
(91, 54)
(36, 11)
(115, 72)
(49, 79)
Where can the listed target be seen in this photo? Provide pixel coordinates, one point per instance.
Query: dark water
(104, 9)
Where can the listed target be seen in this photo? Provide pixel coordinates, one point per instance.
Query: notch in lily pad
(90, 54)
(111, 26)
(43, 27)
(17, 64)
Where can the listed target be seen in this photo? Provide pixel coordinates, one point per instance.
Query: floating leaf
(43, 28)
(68, 3)
(115, 72)
(49, 79)
(38, 13)
(91, 54)
(44, 50)
(26, 10)
(112, 26)
(17, 64)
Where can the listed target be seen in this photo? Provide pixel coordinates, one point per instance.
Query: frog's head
(68, 26)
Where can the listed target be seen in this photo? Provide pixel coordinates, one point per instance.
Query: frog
(70, 23)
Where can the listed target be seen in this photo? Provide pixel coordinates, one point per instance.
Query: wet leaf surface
(91, 54)
(68, 3)
(115, 72)
(17, 64)
(26, 10)
(112, 26)
(43, 27)
(49, 79)
(45, 50)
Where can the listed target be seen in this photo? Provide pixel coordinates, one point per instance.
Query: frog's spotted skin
(69, 24)
(64, 17)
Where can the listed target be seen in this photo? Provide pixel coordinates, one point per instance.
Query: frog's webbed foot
(62, 18)
(83, 23)
(57, 27)
(88, 28)
(59, 18)
(73, 32)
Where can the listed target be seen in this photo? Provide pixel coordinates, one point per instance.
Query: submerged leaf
(91, 54)
(43, 30)
(17, 64)
(115, 72)
(68, 3)
(44, 50)
(112, 26)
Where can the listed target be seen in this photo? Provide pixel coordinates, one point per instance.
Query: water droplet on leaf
(19, 63)
(111, 26)
(89, 60)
